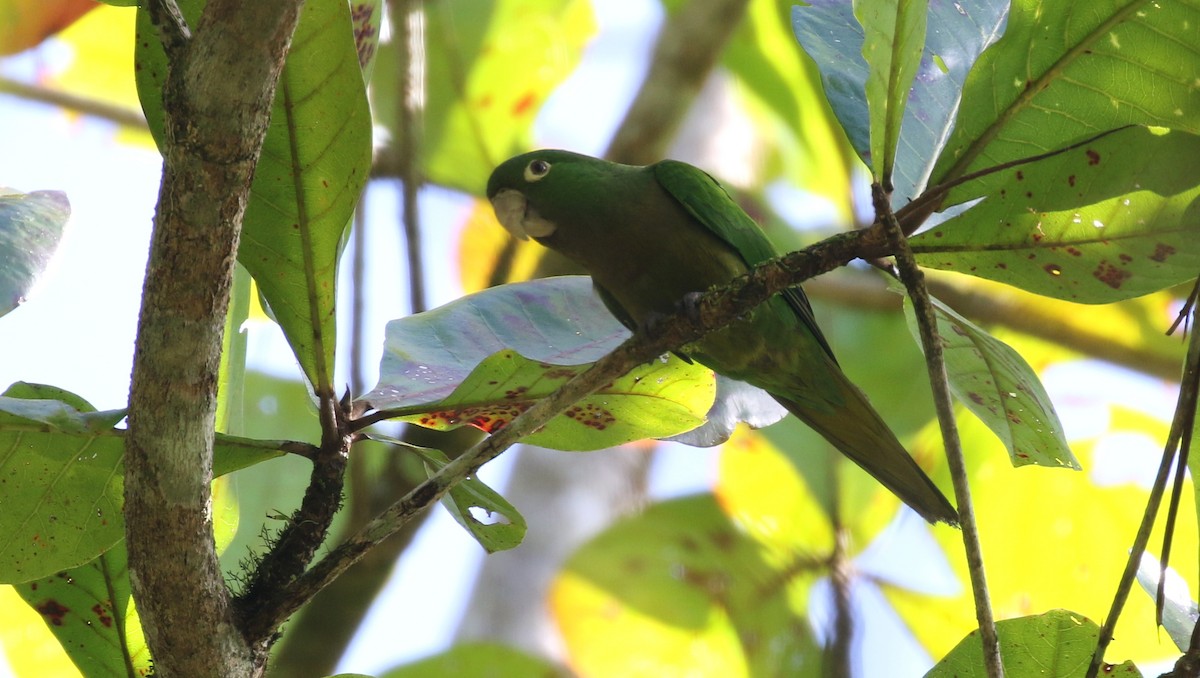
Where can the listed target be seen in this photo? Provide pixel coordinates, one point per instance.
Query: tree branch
(217, 102)
(713, 310)
(688, 46)
(120, 115)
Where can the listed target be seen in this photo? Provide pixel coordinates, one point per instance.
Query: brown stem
(914, 282)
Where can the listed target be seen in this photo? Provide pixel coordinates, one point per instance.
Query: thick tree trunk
(217, 103)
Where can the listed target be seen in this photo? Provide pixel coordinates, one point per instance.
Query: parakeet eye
(536, 170)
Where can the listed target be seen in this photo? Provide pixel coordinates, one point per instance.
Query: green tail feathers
(872, 445)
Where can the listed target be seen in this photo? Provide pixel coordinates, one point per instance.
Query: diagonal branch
(714, 309)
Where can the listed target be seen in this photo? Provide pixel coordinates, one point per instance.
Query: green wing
(708, 202)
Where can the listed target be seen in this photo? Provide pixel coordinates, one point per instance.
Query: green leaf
(1060, 74)
(680, 590)
(489, 67)
(893, 39)
(62, 483)
(1058, 643)
(313, 167)
(1116, 218)
(956, 35)
(485, 358)
(31, 224)
(478, 660)
(503, 533)
(89, 610)
(63, 479)
(998, 386)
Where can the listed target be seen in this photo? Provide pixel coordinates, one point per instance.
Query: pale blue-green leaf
(1180, 613)
(31, 224)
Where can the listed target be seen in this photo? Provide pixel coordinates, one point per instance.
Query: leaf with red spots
(31, 224)
(1058, 75)
(500, 526)
(1129, 226)
(90, 612)
(683, 589)
(657, 400)
(61, 479)
(483, 359)
(489, 67)
(996, 384)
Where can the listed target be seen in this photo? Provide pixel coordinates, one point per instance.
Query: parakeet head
(522, 189)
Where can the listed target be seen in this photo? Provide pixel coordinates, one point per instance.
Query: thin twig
(121, 115)
(1185, 411)
(408, 22)
(914, 282)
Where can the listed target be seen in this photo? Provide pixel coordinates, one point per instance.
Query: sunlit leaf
(1114, 219)
(1057, 643)
(63, 479)
(478, 660)
(1059, 74)
(63, 486)
(89, 610)
(30, 647)
(680, 589)
(489, 67)
(313, 166)
(998, 386)
(31, 224)
(1053, 523)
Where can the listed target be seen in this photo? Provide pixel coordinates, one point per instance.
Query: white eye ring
(536, 169)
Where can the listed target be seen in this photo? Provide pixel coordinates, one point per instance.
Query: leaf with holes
(313, 167)
(1116, 218)
(31, 224)
(1000, 388)
(1060, 74)
(507, 526)
(485, 358)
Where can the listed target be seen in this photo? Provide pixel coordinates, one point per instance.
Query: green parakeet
(651, 235)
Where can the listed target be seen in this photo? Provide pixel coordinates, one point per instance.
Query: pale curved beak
(517, 217)
(509, 206)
